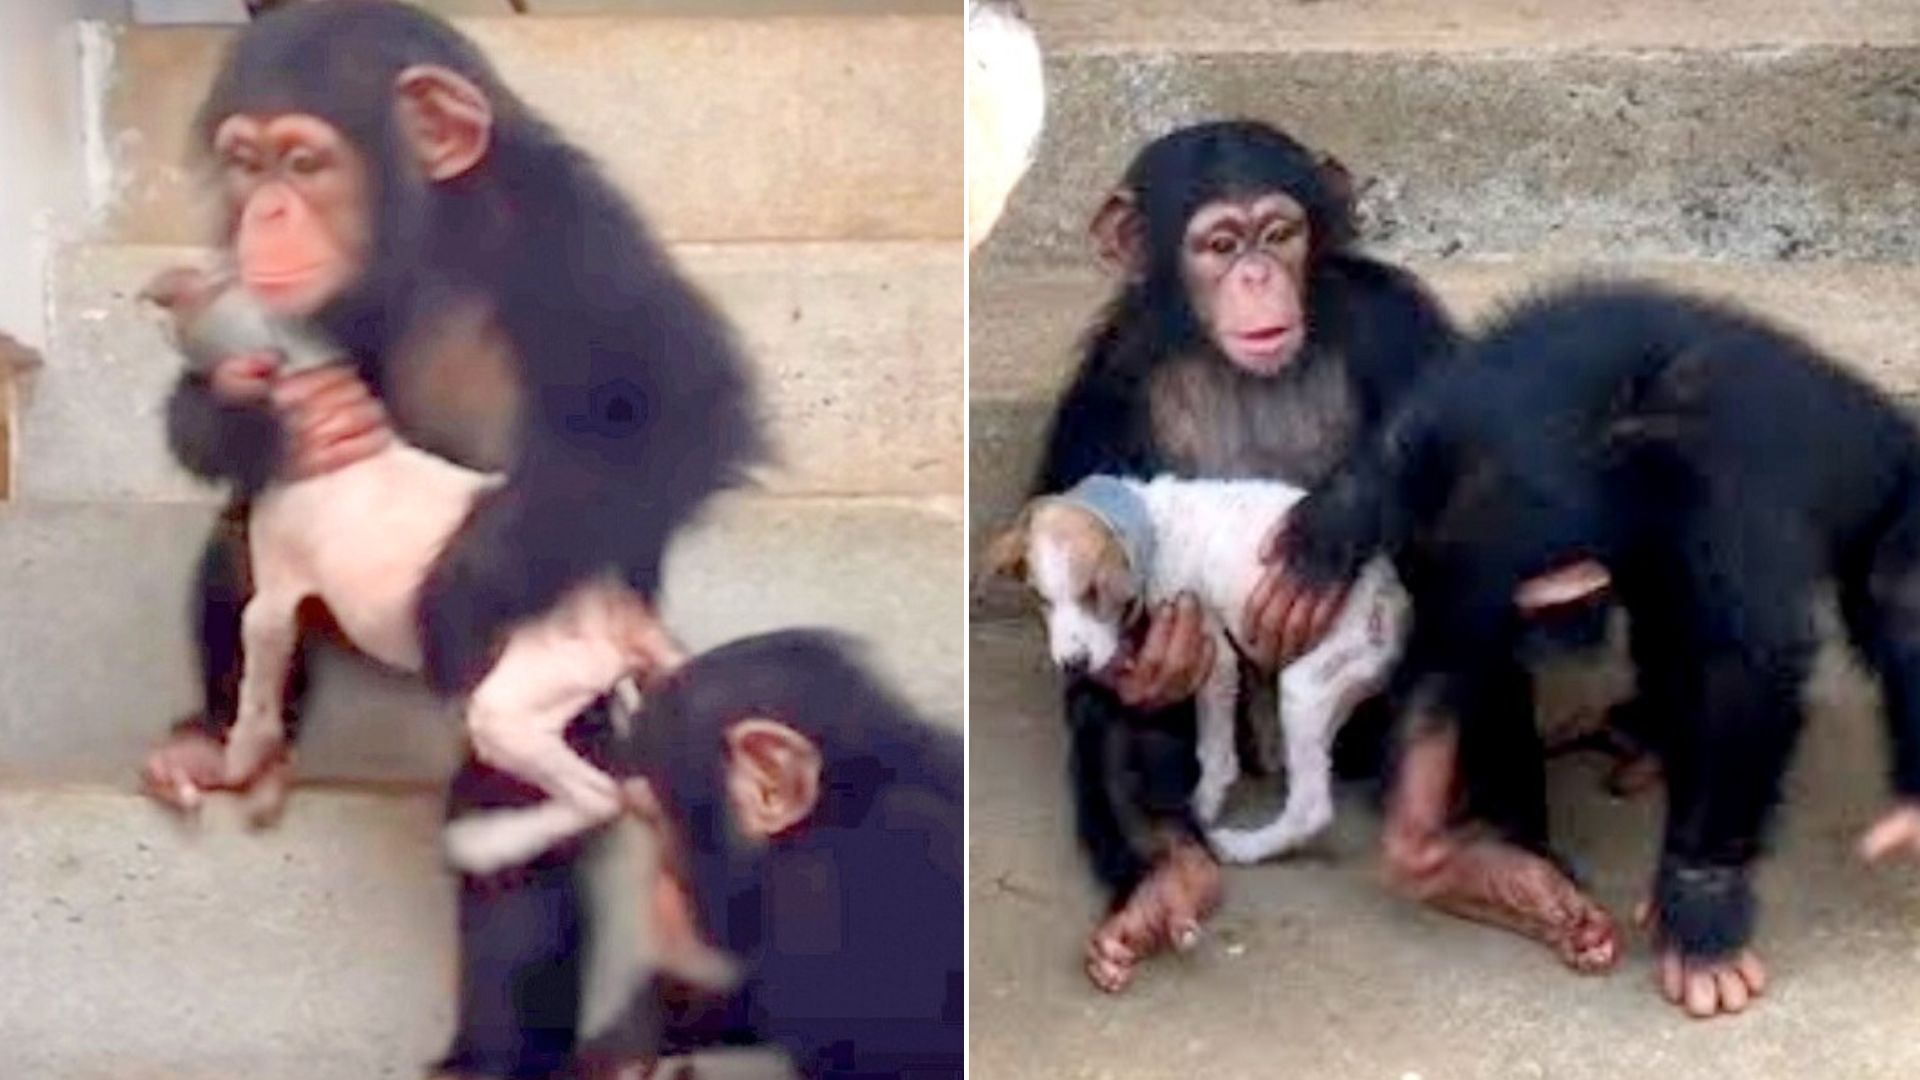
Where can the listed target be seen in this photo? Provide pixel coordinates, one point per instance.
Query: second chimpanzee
(815, 824)
(1247, 339)
(1714, 471)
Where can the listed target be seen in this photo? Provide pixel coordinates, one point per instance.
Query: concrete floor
(1311, 970)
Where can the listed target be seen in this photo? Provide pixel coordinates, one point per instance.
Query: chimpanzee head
(1217, 228)
(340, 134)
(769, 745)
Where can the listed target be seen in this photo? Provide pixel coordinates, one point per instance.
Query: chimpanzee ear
(1119, 233)
(773, 776)
(1006, 554)
(1561, 586)
(447, 119)
(1338, 179)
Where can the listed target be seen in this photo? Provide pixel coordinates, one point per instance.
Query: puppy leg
(269, 630)
(551, 669)
(1310, 714)
(1219, 757)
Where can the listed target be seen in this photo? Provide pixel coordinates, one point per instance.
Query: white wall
(42, 200)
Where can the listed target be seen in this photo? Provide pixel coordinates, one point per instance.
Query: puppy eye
(1089, 595)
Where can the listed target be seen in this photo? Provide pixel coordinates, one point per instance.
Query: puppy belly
(365, 538)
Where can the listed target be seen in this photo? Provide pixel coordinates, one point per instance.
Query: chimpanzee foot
(1165, 910)
(1496, 883)
(1705, 988)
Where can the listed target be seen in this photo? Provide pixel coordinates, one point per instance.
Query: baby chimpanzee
(1714, 471)
(815, 824)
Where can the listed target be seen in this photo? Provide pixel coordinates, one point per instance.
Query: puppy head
(1078, 568)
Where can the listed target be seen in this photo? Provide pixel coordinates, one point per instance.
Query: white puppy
(1098, 554)
(361, 539)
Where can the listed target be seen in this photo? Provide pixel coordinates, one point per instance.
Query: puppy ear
(1006, 554)
(1119, 234)
(1113, 579)
(773, 776)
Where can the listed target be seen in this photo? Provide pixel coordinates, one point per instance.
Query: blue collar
(1118, 505)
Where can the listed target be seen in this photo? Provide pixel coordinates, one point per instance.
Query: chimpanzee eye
(304, 161)
(1279, 233)
(1222, 244)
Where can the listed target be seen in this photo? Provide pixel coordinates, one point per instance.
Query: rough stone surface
(140, 946)
(98, 660)
(858, 349)
(1313, 970)
(797, 128)
(1083, 26)
(1791, 153)
(1026, 327)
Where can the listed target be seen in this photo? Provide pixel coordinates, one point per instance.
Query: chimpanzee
(1247, 339)
(502, 300)
(816, 824)
(1712, 472)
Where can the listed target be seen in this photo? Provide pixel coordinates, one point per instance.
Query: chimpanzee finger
(1266, 638)
(243, 378)
(340, 453)
(298, 389)
(1273, 546)
(347, 402)
(1295, 632)
(1253, 612)
(1143, 671)
(1325, 610)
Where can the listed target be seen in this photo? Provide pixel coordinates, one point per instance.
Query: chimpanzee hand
(1171, 663)
(1287, 614)
(331, 417)
(1896, 833)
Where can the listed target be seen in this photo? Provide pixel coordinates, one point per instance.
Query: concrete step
(98, 655)
(141, 946)
(1357, 983)
(1802, 151)
(794, 128)
(858, 346)
(1094, 26)
(1026, 325)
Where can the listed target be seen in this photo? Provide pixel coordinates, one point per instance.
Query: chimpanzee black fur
(1721, 470)
(849, 928)
(634, 403)
(1370, 327)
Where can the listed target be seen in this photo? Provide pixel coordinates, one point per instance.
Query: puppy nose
(1075, 665)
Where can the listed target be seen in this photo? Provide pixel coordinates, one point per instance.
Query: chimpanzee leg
(1747, 645)
(520, 956)
(1134, 775)
(1483, 736)
(1881, 606)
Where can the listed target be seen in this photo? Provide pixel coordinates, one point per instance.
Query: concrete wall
(40, 156)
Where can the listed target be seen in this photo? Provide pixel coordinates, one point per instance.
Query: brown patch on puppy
(1094, 559)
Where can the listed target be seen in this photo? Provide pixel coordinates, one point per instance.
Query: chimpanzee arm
(636, 409)
(1401, 341)
(215, 440)
(1100, 425)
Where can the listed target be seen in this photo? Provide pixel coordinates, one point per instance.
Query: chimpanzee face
(1244, 265)
(302, 209)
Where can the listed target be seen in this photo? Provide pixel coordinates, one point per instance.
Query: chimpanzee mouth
(1267, 340)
